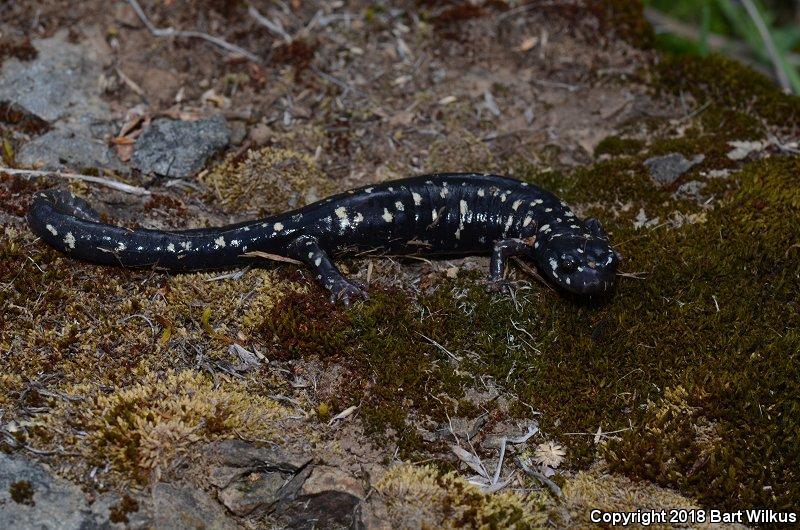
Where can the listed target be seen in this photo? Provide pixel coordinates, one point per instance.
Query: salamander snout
(579, 266)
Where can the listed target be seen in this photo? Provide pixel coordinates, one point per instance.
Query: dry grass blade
(120, 186)
(272, 257)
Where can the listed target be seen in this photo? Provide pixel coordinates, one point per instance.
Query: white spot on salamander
(357, 218)
(553, 264)
(310, 255)
(399, 206)
(368, 190)
(387, 215)
(52, 230)
(444, 192)
(544, 228)
(188, 244)
(220, 241)
(481, 192)
(536, 202)
(341, 212)
(516, 205)
(463, 207)
(235, 242)
(69, 240)
(434, 214)
(121, 247)
(317, 261)
(171, 247)
(417, 198)
(527, 221)
(278, 227)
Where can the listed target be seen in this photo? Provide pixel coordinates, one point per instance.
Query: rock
(32, 498)
(61, 85)
(321, 497)
(64, 148)
(691, 191)
(179, 149)
(256, 492)
(664, 170)
(180, 508)
(249, 475)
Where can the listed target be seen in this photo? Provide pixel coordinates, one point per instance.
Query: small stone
(321, 497)
(664, 170)
(67, 149)
(690, 190)
(179, 149)
(254, 492)
(178, 508)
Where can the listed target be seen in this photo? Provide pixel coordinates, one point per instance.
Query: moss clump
(616, 146)
(461, 151)
(596, 489)
(21, 492)
(626, 18)
(141, 428)
(728, 84)
(421, 497)
(267, 181)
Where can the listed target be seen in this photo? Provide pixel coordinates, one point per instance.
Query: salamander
(447, 214)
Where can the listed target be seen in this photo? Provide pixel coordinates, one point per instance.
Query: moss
(616, 146)
(729, 84)
(421, 497)
(21, 492)
(460, 151)
(119, 512)
(267, 181)
(142, 427)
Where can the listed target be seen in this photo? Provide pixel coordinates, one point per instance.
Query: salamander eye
(568, 263)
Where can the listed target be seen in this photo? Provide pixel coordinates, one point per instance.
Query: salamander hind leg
(307, 250)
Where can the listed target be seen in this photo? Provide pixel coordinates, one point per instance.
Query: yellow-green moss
(143, 427)
(267, 181)
(421, 497)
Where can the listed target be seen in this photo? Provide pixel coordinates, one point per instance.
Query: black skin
(450, 214)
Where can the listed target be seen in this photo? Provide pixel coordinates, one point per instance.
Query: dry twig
(120, 186)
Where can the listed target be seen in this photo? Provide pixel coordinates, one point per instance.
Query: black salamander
(453, 214)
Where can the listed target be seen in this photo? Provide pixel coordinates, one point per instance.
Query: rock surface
(175, 148)
(67, 149)
(178, 507)
(61, 86)
(32, 498)
(665, 170)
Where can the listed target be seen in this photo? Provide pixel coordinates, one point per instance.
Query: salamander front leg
(504, 249)
(307, 250)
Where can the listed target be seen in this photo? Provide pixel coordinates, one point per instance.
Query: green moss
(616, 146)
(729, 84)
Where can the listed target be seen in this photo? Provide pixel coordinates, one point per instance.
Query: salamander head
(580, 262)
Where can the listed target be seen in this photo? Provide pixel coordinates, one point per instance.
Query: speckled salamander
(441, 214)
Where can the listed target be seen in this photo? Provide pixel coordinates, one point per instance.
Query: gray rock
(61, 85)
(664, 170)
(690, 190)
(180, 508)
(67, 149)
(32, 498)
(321, 497)
(179, 149)
(254, 493)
